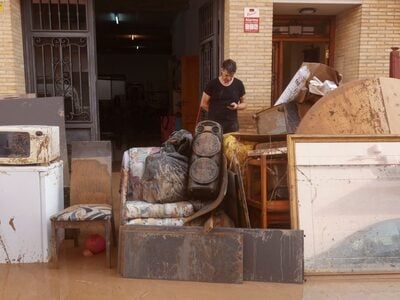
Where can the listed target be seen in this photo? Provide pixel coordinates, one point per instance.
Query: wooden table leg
(263, 171)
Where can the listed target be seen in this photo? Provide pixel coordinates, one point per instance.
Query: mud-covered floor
(82, 277)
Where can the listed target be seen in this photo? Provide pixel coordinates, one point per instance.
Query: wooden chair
(91, 198)
(264, 211)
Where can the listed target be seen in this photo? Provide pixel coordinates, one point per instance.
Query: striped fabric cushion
(84, 212)
(157, 222)
(142, 209)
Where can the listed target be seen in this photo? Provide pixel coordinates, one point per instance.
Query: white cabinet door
(28, 197)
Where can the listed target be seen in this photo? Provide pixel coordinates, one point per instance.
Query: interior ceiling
(149, 21)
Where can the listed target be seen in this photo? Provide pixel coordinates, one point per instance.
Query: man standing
(223, 97)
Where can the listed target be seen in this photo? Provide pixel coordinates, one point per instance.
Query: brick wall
(364, 36)
(253, 54)
(347, 43)
(12, 78)
(380, 30)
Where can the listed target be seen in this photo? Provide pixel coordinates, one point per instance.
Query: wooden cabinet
(190, 91)
(267, 192)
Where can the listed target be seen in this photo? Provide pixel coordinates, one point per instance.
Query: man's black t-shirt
(220, 97)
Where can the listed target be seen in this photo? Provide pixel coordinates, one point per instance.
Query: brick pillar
(12, 78)
(379, 31)
(253, 55)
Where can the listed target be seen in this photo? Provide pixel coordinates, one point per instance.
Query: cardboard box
(296, 99)
(297, 88)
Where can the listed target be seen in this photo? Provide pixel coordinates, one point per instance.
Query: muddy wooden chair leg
(108, 242)
(54, 245)
(114, 236)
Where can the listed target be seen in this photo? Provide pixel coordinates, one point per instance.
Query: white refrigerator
(29, 195)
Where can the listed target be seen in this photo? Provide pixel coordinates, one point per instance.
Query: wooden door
(277, 70)
(190, 91)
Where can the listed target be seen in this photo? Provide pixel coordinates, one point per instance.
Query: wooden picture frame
(344, 193)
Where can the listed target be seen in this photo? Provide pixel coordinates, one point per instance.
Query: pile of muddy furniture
(205, 235)
(341, 143)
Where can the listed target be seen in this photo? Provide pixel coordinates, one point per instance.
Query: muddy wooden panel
(280, 119)
(37, 111)
(181, 253)
(91, 177)
(365, 106)
(391, 99)
(273, 255)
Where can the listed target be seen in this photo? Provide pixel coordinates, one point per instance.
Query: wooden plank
(294, 220)
(181, 253)
(391, 99)
(273, 255)
(91, 176)
(261, 138)
(244, 212)
(271, 145)
(231, 202)
(270, 151)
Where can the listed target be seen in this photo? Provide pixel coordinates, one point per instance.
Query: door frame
(278, 41)
(209, 67)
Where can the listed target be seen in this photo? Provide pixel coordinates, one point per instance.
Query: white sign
(251, 12)
(251, 20)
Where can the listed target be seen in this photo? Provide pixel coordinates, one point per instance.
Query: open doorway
(298, 39)
(137, 68)
(295, 53)
(142, 47)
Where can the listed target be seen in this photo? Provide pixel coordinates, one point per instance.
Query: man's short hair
(229, 65)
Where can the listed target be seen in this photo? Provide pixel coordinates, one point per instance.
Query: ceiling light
(116, 19)
(132, 37)
(137, 47)
(307, 11)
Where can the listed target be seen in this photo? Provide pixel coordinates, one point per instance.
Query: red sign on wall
(251, 24)
(251, 19)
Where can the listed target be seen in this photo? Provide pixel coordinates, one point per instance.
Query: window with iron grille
(58, 37)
